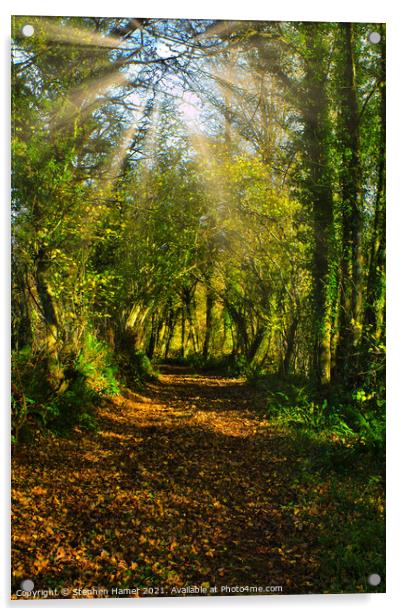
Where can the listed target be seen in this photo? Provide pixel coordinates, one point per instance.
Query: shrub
(96, 364)
(89, 376)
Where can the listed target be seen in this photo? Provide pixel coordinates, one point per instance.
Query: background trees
(194, 189)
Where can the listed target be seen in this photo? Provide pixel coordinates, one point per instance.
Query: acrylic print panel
(198, 359)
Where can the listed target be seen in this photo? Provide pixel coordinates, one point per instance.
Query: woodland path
(184, 484)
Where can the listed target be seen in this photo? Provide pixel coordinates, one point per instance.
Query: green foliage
(89, 376)
(225, 365)
(345, 422)
(75, 407)
(354, 424)
(96, 364)
(352, 533)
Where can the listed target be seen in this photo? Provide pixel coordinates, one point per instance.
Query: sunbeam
(72, 35)
(80, 100)
(221, 27)
(113, 166)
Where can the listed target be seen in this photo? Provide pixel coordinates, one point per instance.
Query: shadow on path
(183, 485)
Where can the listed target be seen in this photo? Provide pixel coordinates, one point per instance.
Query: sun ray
(80, 100)
(73, 35)
(207, 160)
(217, 29)
(113, 165)
(109, 172)
(149, 142)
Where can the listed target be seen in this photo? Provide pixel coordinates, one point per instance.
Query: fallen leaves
(179, 487)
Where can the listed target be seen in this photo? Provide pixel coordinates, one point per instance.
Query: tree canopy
(202, 187)
(207, 194)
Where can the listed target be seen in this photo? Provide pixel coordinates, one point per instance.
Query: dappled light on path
(183, 484)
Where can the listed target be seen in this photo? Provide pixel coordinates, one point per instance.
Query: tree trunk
(376, 277)
(183, 331)
(319, 196)
(171, 324)
(259, 347)
(133, 334)
(152, 337)
(351, 180)
(52, 328)
(290, 342)
(209, 304)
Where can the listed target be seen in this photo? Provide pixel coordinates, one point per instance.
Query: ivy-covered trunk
(350, 274)
(318, 196)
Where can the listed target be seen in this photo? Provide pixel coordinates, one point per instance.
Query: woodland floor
(186, 485)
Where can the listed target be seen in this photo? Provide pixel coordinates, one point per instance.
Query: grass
(341, 462)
